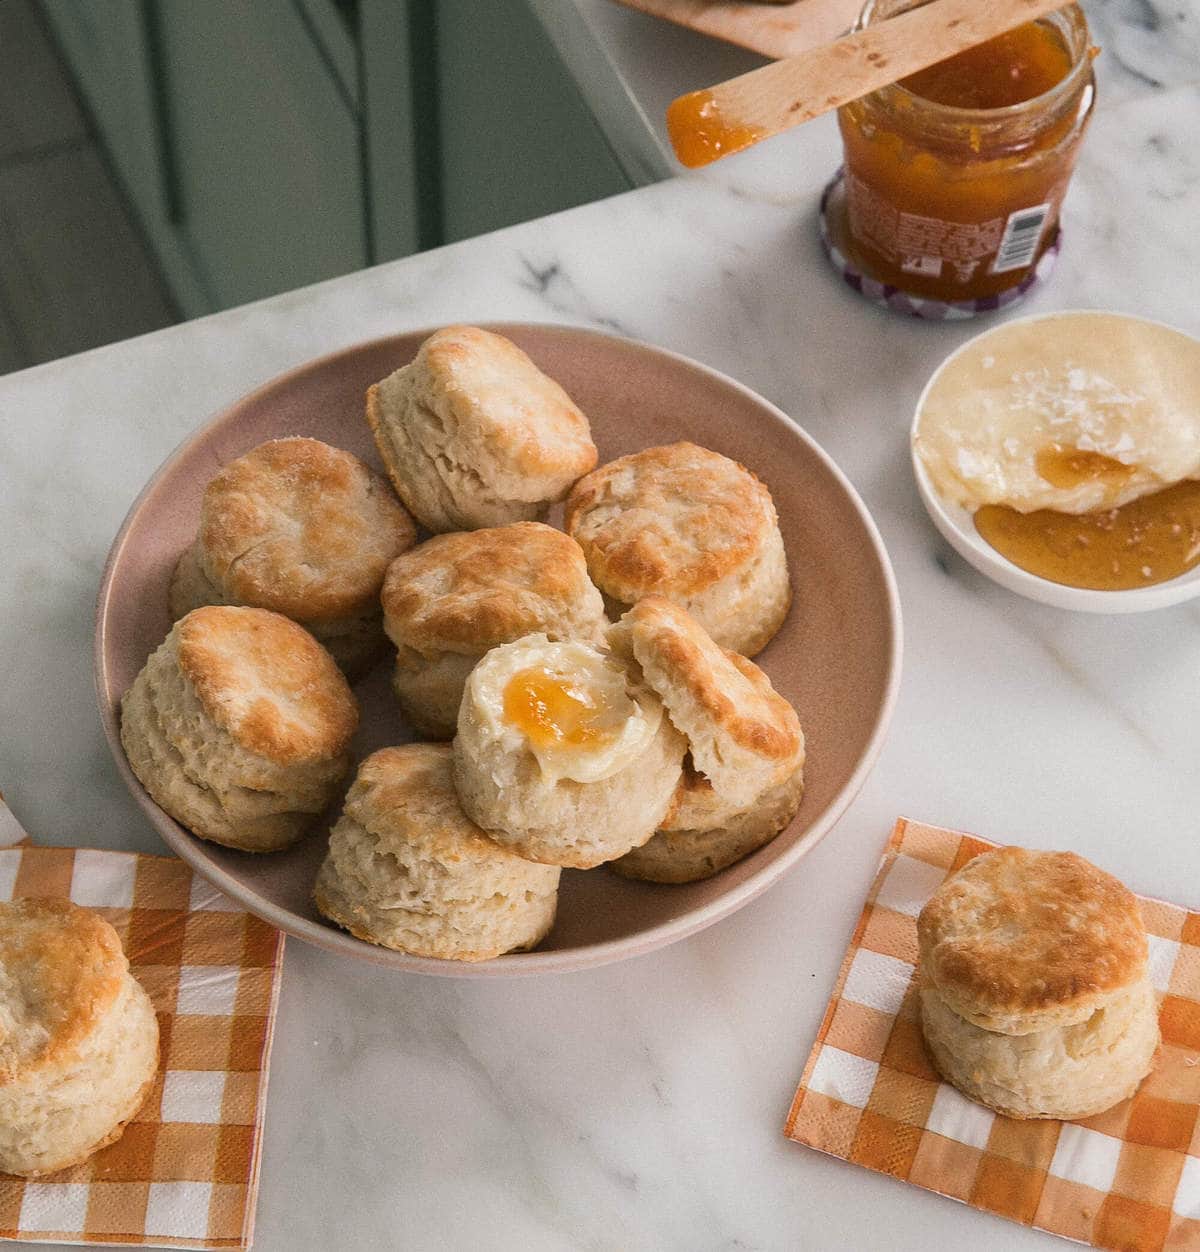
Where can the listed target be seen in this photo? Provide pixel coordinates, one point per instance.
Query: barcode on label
(1022, 234)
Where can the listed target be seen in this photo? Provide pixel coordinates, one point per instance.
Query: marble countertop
(639, 1106)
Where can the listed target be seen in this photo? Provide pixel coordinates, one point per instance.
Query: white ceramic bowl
(957, 527)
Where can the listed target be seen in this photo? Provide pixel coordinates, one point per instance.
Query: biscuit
(239, 727)
(744, 737)
(1019, 940)
(690, 525)
(562, 754)
(407, 869)
(1035, 996)
(703, 835)
(453, 598)
(1063, 1071)
(78, 1037)
(302, 529)
(744, 777)
(474, 434)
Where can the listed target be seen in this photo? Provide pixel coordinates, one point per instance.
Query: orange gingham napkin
(1129, 1178)
(185, 1172)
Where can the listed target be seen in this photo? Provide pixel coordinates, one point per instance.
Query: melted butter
(1150, 540)
(701, 133)
(1063, 466)
(1010, 69)
(551, 714)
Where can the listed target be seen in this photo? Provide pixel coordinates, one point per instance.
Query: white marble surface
(639, 1106)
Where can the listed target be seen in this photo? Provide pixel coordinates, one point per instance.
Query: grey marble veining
(639, 1106)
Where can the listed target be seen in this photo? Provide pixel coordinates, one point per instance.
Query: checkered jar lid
(890, 297)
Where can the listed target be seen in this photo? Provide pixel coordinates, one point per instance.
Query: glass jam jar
(954, 177)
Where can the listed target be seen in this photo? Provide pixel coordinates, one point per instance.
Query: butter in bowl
(1060, 455)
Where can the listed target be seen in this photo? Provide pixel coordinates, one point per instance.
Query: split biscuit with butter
(302, 529)
(744, 778)
(78, 1037)
(239, 727)
(456, 596)
(563, 754)
(691, 525)
(1035, 993)
(407, 869)
(474, 434)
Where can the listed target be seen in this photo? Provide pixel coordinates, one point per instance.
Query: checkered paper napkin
(1128, 1178)
(185, 1172)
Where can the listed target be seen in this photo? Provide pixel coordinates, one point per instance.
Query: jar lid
(898, 301)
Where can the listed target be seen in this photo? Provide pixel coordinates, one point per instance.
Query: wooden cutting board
(775, 30)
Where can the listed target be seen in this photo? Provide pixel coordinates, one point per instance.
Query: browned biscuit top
(408, 793)
(673, 519)
(526, 421)
(735, 698)
(1016, 932)
(301, 528)
(267, 682)
(472, 590)
(61, 970)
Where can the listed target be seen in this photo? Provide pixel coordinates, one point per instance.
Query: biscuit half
(744, 737)
(1063, 1072)
(1019, 940)
(744, 779)
(78, 1037)
(574, 790)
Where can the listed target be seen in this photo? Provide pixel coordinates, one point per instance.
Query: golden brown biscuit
(744, 737)
(302, 529)
(704, 834)
(474, 434)
(407, 869)
(744, 777)
(693, 526)
(1063, 1072)
(239, 726)
(1018, 940)
(78, 1036)
(1034, 986)
(455, 597)
(563, 754)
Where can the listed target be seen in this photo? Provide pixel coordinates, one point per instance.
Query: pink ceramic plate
(837, 658)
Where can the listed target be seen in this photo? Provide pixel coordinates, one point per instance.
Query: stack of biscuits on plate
(594, 684)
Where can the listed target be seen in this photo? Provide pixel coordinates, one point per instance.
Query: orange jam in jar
(954, 176)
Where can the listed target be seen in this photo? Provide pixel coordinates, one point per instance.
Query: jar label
(1022, 234)
(933, 247)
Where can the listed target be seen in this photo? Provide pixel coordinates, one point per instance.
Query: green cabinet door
(265, 147)
(517, 139)
(105, 46)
